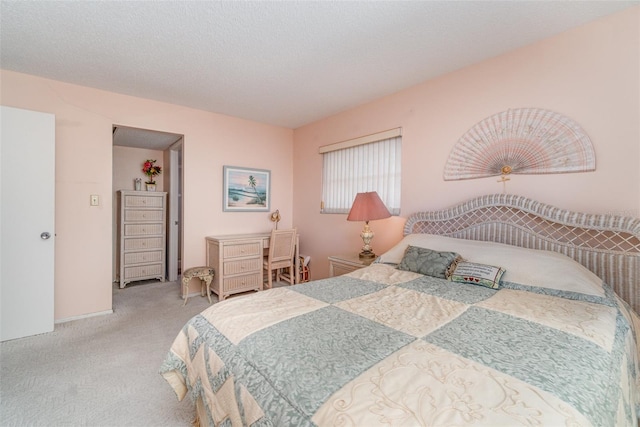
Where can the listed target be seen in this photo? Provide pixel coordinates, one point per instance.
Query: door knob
(45, 235)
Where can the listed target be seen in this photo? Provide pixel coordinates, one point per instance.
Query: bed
(546, 335)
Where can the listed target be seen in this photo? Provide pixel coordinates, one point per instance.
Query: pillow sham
(532, 267)
(428, 262)
(477, 274)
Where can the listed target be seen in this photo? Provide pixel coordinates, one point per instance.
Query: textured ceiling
(280, 62)
(143, 138)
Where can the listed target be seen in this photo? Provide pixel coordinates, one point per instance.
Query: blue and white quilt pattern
(380, 347)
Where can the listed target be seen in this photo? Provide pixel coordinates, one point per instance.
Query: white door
(27, 188)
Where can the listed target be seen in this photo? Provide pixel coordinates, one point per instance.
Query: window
(370, 163)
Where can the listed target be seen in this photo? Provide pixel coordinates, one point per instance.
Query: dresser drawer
(143, 229)
(343, 264)
(142, 215)
(142, 271)
(340, 269)
(143, 257)
(236, 250)
(238, 283)
(138, 201)
(146, 243)
(242, 266)
(141, 236)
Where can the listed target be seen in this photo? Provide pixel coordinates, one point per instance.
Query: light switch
(95, 200)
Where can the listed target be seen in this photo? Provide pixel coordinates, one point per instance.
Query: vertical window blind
(362, 165)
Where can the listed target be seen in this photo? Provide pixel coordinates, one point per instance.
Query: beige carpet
(100, 371)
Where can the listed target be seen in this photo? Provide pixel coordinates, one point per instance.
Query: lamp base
(366, 255)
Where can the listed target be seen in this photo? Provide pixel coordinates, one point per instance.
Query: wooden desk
(237, 260)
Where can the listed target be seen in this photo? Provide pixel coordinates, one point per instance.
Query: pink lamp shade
(368, 207)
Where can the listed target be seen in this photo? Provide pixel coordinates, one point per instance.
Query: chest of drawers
(141, 236)
(237, 260)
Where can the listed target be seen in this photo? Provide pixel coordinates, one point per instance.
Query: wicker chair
(281, 255)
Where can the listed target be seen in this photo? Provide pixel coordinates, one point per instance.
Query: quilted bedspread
(387, 347)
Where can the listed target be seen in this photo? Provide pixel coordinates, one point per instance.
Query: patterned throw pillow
(477, 274)
(426, 261)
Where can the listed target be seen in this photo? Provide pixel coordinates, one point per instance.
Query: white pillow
(533, 267)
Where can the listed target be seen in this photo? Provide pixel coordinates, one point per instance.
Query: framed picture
(246, 190)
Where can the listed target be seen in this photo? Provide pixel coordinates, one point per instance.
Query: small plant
(151, 170)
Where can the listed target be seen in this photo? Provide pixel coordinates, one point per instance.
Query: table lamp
(367, 207)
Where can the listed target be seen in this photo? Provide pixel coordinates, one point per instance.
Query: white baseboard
(83, 316)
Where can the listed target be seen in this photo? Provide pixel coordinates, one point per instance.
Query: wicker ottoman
(205, 274)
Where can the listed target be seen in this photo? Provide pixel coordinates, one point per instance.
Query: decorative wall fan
(521, 141)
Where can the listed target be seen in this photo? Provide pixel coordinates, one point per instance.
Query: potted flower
(150, 169)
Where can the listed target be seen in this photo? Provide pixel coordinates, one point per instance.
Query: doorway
(131, 147)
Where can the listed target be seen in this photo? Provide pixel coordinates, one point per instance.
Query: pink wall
(590, 74)
(84, 164)
(127, 166)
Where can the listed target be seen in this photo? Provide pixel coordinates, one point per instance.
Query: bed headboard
(607, 245)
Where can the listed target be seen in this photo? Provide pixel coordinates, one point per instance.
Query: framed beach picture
(246, 190)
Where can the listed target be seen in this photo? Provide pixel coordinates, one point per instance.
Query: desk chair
(281, 255)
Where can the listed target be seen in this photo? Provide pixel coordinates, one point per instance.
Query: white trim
(174, 226)
(391, 133)
(84, 316)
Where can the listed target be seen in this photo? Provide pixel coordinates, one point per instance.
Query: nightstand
(343, 264)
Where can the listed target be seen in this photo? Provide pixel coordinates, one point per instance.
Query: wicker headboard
(607, 245)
